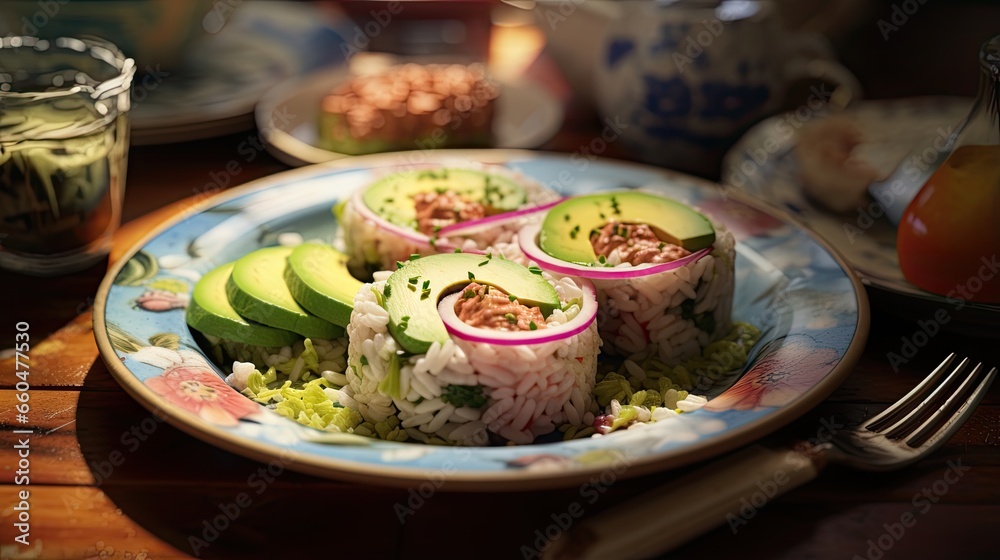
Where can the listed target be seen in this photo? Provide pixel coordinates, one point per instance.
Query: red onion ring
(475, 226)
(578, 324)
(527, 239)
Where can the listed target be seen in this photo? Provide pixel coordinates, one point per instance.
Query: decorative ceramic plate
(893, 131)
(813, 313)
(228, 70)
(527, 116)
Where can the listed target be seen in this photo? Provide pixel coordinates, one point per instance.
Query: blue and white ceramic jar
(686, 78)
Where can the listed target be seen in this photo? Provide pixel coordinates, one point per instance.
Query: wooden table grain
(109, 480)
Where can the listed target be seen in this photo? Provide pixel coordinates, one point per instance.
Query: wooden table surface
(108, 481)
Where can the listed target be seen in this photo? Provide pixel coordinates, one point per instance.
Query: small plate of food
(382, 104)
(818, 167)
(502, 319)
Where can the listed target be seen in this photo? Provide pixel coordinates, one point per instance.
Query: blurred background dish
(768, 163)
(152, 32)
(201, 65)
(224, 74)
(527, 115)
(574, 43)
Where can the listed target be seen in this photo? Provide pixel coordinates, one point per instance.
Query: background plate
(893, 130)
(225, 74)
(527, 116)
(813, 312)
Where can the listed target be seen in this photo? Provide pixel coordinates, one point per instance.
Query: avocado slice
(411, 293)
(256, 290)
(210, 313)
(392, 196)
(565, 232)
(318, 280)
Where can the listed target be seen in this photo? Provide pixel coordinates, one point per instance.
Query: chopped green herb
(412, 287)
(427, 284)
(457, 250)
(661, 245)
(566, 217)
(469, 294)
(424, 294)
(532, 326)
(510, 318)
(602, 259)
(414, 257)
(364, 360)
(603, 217)
(534, 270)
(464, 395)
(399, 264)
(390, 200)
(437, 229)
(512, 298)
(471, 276)
(413, 279)
(386, 291)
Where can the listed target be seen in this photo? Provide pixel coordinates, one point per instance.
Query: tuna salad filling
(488, 307)
(436, 210)
(634, 244)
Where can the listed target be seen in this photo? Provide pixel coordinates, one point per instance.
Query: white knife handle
(729, 491)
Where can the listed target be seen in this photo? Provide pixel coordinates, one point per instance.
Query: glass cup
(64, 130)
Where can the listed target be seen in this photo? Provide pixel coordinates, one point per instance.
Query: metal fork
(666, 517)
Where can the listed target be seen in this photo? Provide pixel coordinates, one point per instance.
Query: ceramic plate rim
(508, 480)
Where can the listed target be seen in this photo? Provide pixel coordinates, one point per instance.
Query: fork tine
(891, 414)
(947, 407)
(952, 425)
(902, 427)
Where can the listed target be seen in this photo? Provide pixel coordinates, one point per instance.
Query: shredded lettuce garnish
(389, 430)
(637, 398)
(296, 389)
(307, 403)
